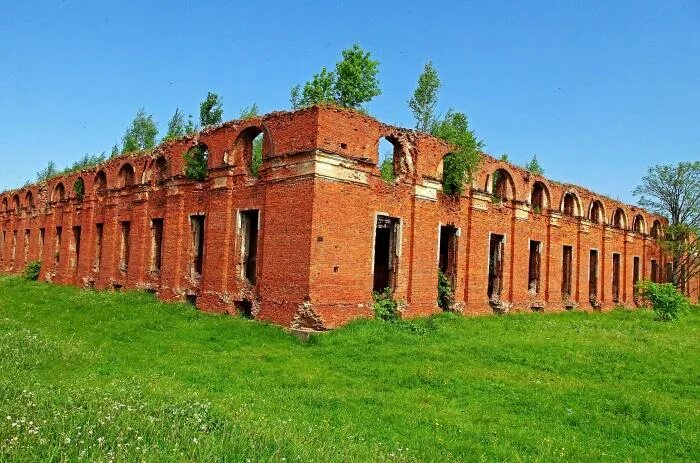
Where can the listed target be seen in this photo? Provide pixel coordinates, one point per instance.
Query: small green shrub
(385, 307)
(79, 189)
(32, 269)
(196, 163)
(386, 169)
(445, 292)
(667, 302)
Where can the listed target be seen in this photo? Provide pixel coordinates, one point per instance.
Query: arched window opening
(29, 200)
(160, 169)
(638, 225)
(100, 182)
(569, 205)
(501, 186)
(250, 147)
(197, 162)
(59, 193)
(15, 203)
(619, 220)
(126, 176)
(539, 198)
(385, 159)
(4, 204)
(656, 229)
(596, 215)
(79, 189)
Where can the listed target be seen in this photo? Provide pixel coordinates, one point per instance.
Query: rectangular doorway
(533, 283)
(250, 224)
(447, 261)
(616, 277)
(496, 249)
(593, 275)
(386, 255)
(567, 271)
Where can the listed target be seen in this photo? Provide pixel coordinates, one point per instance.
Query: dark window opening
(596, 212)
(29, 199)
(655, 277)
(249, 244)
(59, 193)
(569, 206)
(26, 245)
(244, 308)
(448, 251)
(447, 261)
(98, 245)
(385, 253)
(656, 229)
(2, 246)
(191, 299)
(496, 249)
(499, 185)
(76, 246)
(567, 271)
(593, 276)
(538, 198)
(100, 182)
(126, 176)
(638, 225)
(616, 278)
(197, 222)
(161, 169)
(635, 275)
(533, 279)
(156, 244)
(618, 219)
(57, 249)
(669, 272)
(125, 245)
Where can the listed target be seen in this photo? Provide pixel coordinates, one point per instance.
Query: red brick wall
(318, 194)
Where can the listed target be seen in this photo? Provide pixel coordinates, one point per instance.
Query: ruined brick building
(307, 240)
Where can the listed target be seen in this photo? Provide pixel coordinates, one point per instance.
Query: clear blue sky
(598, 90)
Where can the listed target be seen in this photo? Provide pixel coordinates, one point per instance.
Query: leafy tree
(176, 126)
(210, 110)
(295, 97)
(191, 128)
(667, 302)
(425, 98)
(674, 192)
(196, 159)
(115, 150)
(256, 161)
(460, 165)
(141, 134)
(386, 169)
(352, 84)
(47, 172)
(356, 78)
(319, 90)
(504, 157)
(534, 166)
(79, 189)
(249, 112)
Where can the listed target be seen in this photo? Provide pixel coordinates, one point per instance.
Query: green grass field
(100, 376)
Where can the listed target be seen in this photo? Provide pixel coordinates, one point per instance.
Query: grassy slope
(118, 375)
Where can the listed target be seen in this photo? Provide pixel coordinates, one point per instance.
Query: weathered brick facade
(306, 241)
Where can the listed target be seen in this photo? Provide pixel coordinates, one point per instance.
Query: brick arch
(126, 176)
(29, 199)
(639, 225)
(619, 219)
(99, 182)
(596, 212)
(500, 183)
(15, 203)
(58, 193)
(4, 204)
(240, 151)
(656, 229)
(539, 195)
(402, 156)
(570, 204)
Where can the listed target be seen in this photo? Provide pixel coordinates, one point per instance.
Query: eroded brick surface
(319, 199)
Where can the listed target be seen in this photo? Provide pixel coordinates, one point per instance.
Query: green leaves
(352, 84)
(141, 134)
(667, 302)
(460, 165)
(176, 126)
(196, 163)
(210, 110)
(534, 166)
(425, 98)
